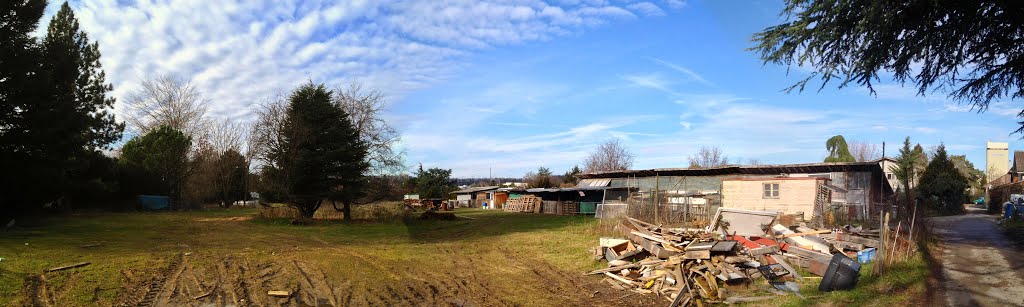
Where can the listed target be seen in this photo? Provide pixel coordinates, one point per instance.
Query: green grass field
(486, 258)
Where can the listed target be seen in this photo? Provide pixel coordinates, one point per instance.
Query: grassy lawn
(491, 258)
(487, 258)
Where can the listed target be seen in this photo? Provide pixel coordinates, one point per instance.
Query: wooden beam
(81, 264)
(800, 234)
(619, 278)
(622, 267)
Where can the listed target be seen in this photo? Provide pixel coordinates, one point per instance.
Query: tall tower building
(997, 160)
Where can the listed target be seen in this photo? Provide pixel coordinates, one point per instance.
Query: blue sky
(508, 86)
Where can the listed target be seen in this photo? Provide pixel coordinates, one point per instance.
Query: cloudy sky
(507, 86)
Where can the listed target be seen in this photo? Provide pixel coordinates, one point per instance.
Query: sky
(500, 88)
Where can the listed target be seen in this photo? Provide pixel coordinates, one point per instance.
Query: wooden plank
(870, 243)
(650, 237)
(80, 264)
(763, 250)
(278, 293)
(622, 267)
(800, 234)
(620, 279)
(786, 266)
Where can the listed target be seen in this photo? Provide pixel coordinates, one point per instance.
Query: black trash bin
(842, 274)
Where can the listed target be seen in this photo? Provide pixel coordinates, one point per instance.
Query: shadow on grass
(469, 224)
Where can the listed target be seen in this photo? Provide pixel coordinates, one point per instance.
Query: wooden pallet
(526, 203)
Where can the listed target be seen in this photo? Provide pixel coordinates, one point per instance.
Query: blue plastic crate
(866, 255)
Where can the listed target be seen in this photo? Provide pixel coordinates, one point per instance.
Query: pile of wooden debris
(690, 266)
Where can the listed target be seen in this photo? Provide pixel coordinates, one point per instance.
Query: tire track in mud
(156, 286)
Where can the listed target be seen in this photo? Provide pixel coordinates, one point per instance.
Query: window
(888, 176)
(771, 190)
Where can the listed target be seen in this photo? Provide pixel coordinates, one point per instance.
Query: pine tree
(942, 184)
(570, 177)
(19, 66)
(56, 112)
(321, 155)
(905, 169)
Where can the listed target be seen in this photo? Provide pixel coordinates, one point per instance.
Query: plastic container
(866, 255)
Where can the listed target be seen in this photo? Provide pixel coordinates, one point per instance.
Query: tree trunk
(346, 209)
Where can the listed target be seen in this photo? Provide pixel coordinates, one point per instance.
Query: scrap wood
(620, 279)
(679, 300)
(615, 284)
(628, 266)
(853, 238)
(800, 234)
(798, 240)
(786, 266)
(202, 295)
(81, 264)
(278, 293)
(649, 237)
(763, 250)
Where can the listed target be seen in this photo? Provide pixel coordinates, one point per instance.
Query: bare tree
(755, 162)
(609, 156)
(166, 100)
(864, 151)
(265, 135)
(365, 109)
(708, 157)
(226, 135)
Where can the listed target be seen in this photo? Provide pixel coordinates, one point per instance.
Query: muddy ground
(209, 265)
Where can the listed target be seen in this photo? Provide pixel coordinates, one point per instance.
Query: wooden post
(657, 201)
(895, 239)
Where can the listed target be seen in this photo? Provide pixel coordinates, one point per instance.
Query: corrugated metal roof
(742, 169)
(475, 189)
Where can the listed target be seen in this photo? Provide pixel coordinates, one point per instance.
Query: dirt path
(980, 267)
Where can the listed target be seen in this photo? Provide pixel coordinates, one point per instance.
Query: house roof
(1018, 161)
(475, 189)
(745, 169)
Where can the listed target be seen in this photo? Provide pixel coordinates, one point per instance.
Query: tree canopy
(317, 153)
(968, 48)
(570, 176)
(611, 155)
(541, 179)
(708, 157)
(162, 153)
(838, 150)
(433, 182)
(55, 114)
(905, 171)
(942, 186)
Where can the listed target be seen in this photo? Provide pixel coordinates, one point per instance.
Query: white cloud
(241, 52)
(691, 75)
(647, 8)
(653, 81)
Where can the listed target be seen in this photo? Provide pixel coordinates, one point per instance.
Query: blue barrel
(1008, 210)
(154, 202)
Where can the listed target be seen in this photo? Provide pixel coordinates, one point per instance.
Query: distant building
(1017, 170)
(997, 160)
(855, 190)
(515, 185)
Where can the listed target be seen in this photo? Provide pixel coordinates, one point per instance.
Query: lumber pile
(525, 203)
(570, 207)
(689, 266)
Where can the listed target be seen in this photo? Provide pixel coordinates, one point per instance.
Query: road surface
(980, 266)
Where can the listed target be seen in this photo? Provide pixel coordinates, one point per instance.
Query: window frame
(770, 190)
